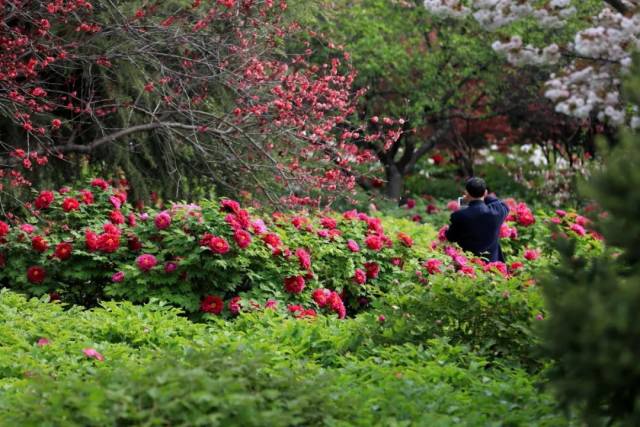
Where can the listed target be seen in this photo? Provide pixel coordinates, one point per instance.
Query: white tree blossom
(598, 56)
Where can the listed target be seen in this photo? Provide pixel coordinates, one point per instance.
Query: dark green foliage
(594, 329)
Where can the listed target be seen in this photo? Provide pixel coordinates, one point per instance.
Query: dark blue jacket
(476, 228)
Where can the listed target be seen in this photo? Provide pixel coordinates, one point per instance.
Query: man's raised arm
(497, 205)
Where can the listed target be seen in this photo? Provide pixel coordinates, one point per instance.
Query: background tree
(175, 96)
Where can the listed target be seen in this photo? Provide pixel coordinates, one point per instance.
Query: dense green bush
(263, 369)
(593, 331)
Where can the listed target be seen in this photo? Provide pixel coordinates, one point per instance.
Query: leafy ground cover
(122, 364)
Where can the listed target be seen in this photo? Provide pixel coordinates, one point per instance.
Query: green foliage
(261, 370)
(593, 331)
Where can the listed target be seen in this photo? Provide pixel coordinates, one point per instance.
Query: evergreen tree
(593, 331)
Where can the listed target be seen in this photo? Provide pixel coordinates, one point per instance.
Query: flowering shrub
(84, 245)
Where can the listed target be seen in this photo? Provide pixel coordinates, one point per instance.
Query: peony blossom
(242, 238)
(374, 242)
(453, 205)
(39, 244)
(405, 239)
(63, 251)
(70, 204)
(218, 245)
(294, 284)
(107, 242)
(212, 304)
(433, 266)
(353, 245)
(321, 296)
(271, 304)
(235, 306)
(92, 353)
(561, 213)
(146, 262)
(328, 223)
(532, 254)
(170, 267)
(36, 274)
(44, 199)
(43, 342)
(100, 183)
(117, 277)
(578, 229)
(304, 258)
(360, 277)
(4, 228)
(372, 269)
(163, 220)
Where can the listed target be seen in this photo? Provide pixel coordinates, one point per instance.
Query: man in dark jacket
(476, 228)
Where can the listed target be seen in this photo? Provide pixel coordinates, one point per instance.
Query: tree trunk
(395, 183)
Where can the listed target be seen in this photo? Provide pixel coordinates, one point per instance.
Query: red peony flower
(170, 267)
(205, 239)
(229, 205)
(372, 269)
(108, 242)
(212, 304)
(163, 220)
(218, 245)
(294, 284)
(146, 262)
(63, 251)
(272, 240)
(271, 304)
(328, 223)
(374, 242)
(321, 296)
(242, 238)
(100, 183)
(4, 228)
(91, 240)
(515, 266)
(433, 266)
(70, 204)
(116, 217)
(360, 277)
(405, 239)
(44, 199)
(36, 274)
(87, 197)
(39, 244)
(431, 209)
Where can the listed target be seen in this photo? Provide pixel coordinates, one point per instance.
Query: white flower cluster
(447, 8)
(518, 54)
(590, 84)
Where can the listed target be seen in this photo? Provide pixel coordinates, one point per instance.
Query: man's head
(476, 188)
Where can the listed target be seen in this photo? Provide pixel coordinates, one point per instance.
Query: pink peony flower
(556, 220)
(258, 226)
(170, 267)
(328, 223)
(360, 277)
(271, 304)
(561, 213)
(321, 296)
(118, 277)
(582, 221)
(304, 258)
(381, 318)
(146, 262)
(163, 220)
(43, 342)
(578, 229)
(453, 205)
(532, 254)
(93, 354)
(235, 306)
(27, 228)
(353, 245)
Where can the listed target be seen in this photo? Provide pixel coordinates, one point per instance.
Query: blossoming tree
(189, 94)
(590, 66)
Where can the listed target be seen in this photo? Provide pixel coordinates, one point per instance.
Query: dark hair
(476, 187)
